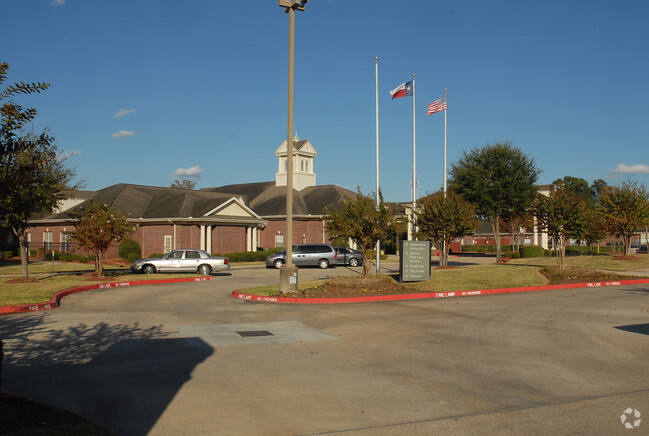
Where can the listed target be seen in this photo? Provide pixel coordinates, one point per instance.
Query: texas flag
(403, 90)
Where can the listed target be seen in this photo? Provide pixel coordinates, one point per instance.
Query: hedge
(531, 251)
(68, 257)
(477, 248)
(583, 249)
(250, 256)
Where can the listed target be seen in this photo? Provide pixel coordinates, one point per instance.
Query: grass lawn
(515, 273)
(598, 261)
(46, 284)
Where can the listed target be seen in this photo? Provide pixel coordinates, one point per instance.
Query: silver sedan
(184, 260)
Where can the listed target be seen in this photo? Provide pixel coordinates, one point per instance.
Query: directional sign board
(414, 265)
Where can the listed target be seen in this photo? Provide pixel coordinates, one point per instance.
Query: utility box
(288, 279)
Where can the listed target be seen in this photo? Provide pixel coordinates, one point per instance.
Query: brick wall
(228, 239)
(304, 231)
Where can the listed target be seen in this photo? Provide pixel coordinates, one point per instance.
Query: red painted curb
(427, 295)
(56, 298)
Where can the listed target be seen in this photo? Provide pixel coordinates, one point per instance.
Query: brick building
(226, 219)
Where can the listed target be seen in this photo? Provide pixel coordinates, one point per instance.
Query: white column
(208, 244)
(248, 238)
(254, 238)
(544, 240)
(535, 239)
(202, 237)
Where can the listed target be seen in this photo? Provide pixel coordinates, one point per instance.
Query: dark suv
(321, 255)
(349, 256)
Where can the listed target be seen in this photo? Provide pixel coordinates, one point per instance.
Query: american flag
(437, 106)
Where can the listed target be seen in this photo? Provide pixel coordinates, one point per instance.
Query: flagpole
(444, 246)
(378, 242)
(445, 110)
(414, 155)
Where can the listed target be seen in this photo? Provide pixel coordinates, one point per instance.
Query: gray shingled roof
(268, 200)
(157, 202)
(264, 198)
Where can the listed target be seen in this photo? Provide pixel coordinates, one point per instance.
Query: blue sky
(146, 91)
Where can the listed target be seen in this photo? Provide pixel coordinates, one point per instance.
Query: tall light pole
(288, 274)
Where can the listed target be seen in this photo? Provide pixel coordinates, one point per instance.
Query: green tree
(598, 186)
(99, 227)
(624, 210)
(13, 116)
(34, 180)
(593, 231)
(564, 216)
(359, 219)
(184, 184)
(444, 219)
(578, 187)
(499, 179)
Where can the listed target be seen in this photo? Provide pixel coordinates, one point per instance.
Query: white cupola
(303, 171)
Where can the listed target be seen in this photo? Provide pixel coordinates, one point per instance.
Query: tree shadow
(120, 376)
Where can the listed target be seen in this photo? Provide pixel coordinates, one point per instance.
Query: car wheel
(205, 270)
(353, 262)
(149, 269)
(279, 263)
(323, 263)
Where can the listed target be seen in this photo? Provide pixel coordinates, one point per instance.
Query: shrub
(531, 251)
(250, 256)
(91, 257)
(48, 255)
(151, 256)
(79, 258)
(477, 248)
(7, 254)
(129, 249)
(33, 253)
(547, 253)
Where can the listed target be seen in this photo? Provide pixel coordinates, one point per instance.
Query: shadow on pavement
(121, 377)
(635, 328)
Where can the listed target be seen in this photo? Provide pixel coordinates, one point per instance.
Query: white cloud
(58, 3)
(629, 169)
(123, 112)
(194, 171)
(123, 134)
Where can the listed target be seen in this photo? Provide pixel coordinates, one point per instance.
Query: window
(286, 166)
(192, 255)
(279, 240)
(306, 166)
(48, 241)
(65, 242)
(302, 166)
(167, 243)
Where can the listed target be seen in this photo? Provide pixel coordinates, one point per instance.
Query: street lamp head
(292, 4)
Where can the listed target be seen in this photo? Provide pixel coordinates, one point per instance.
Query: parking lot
(189, 359)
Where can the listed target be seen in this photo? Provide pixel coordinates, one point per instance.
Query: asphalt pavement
(187, 359)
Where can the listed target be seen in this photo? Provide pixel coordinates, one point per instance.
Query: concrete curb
(429, 295)
(56, 298)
